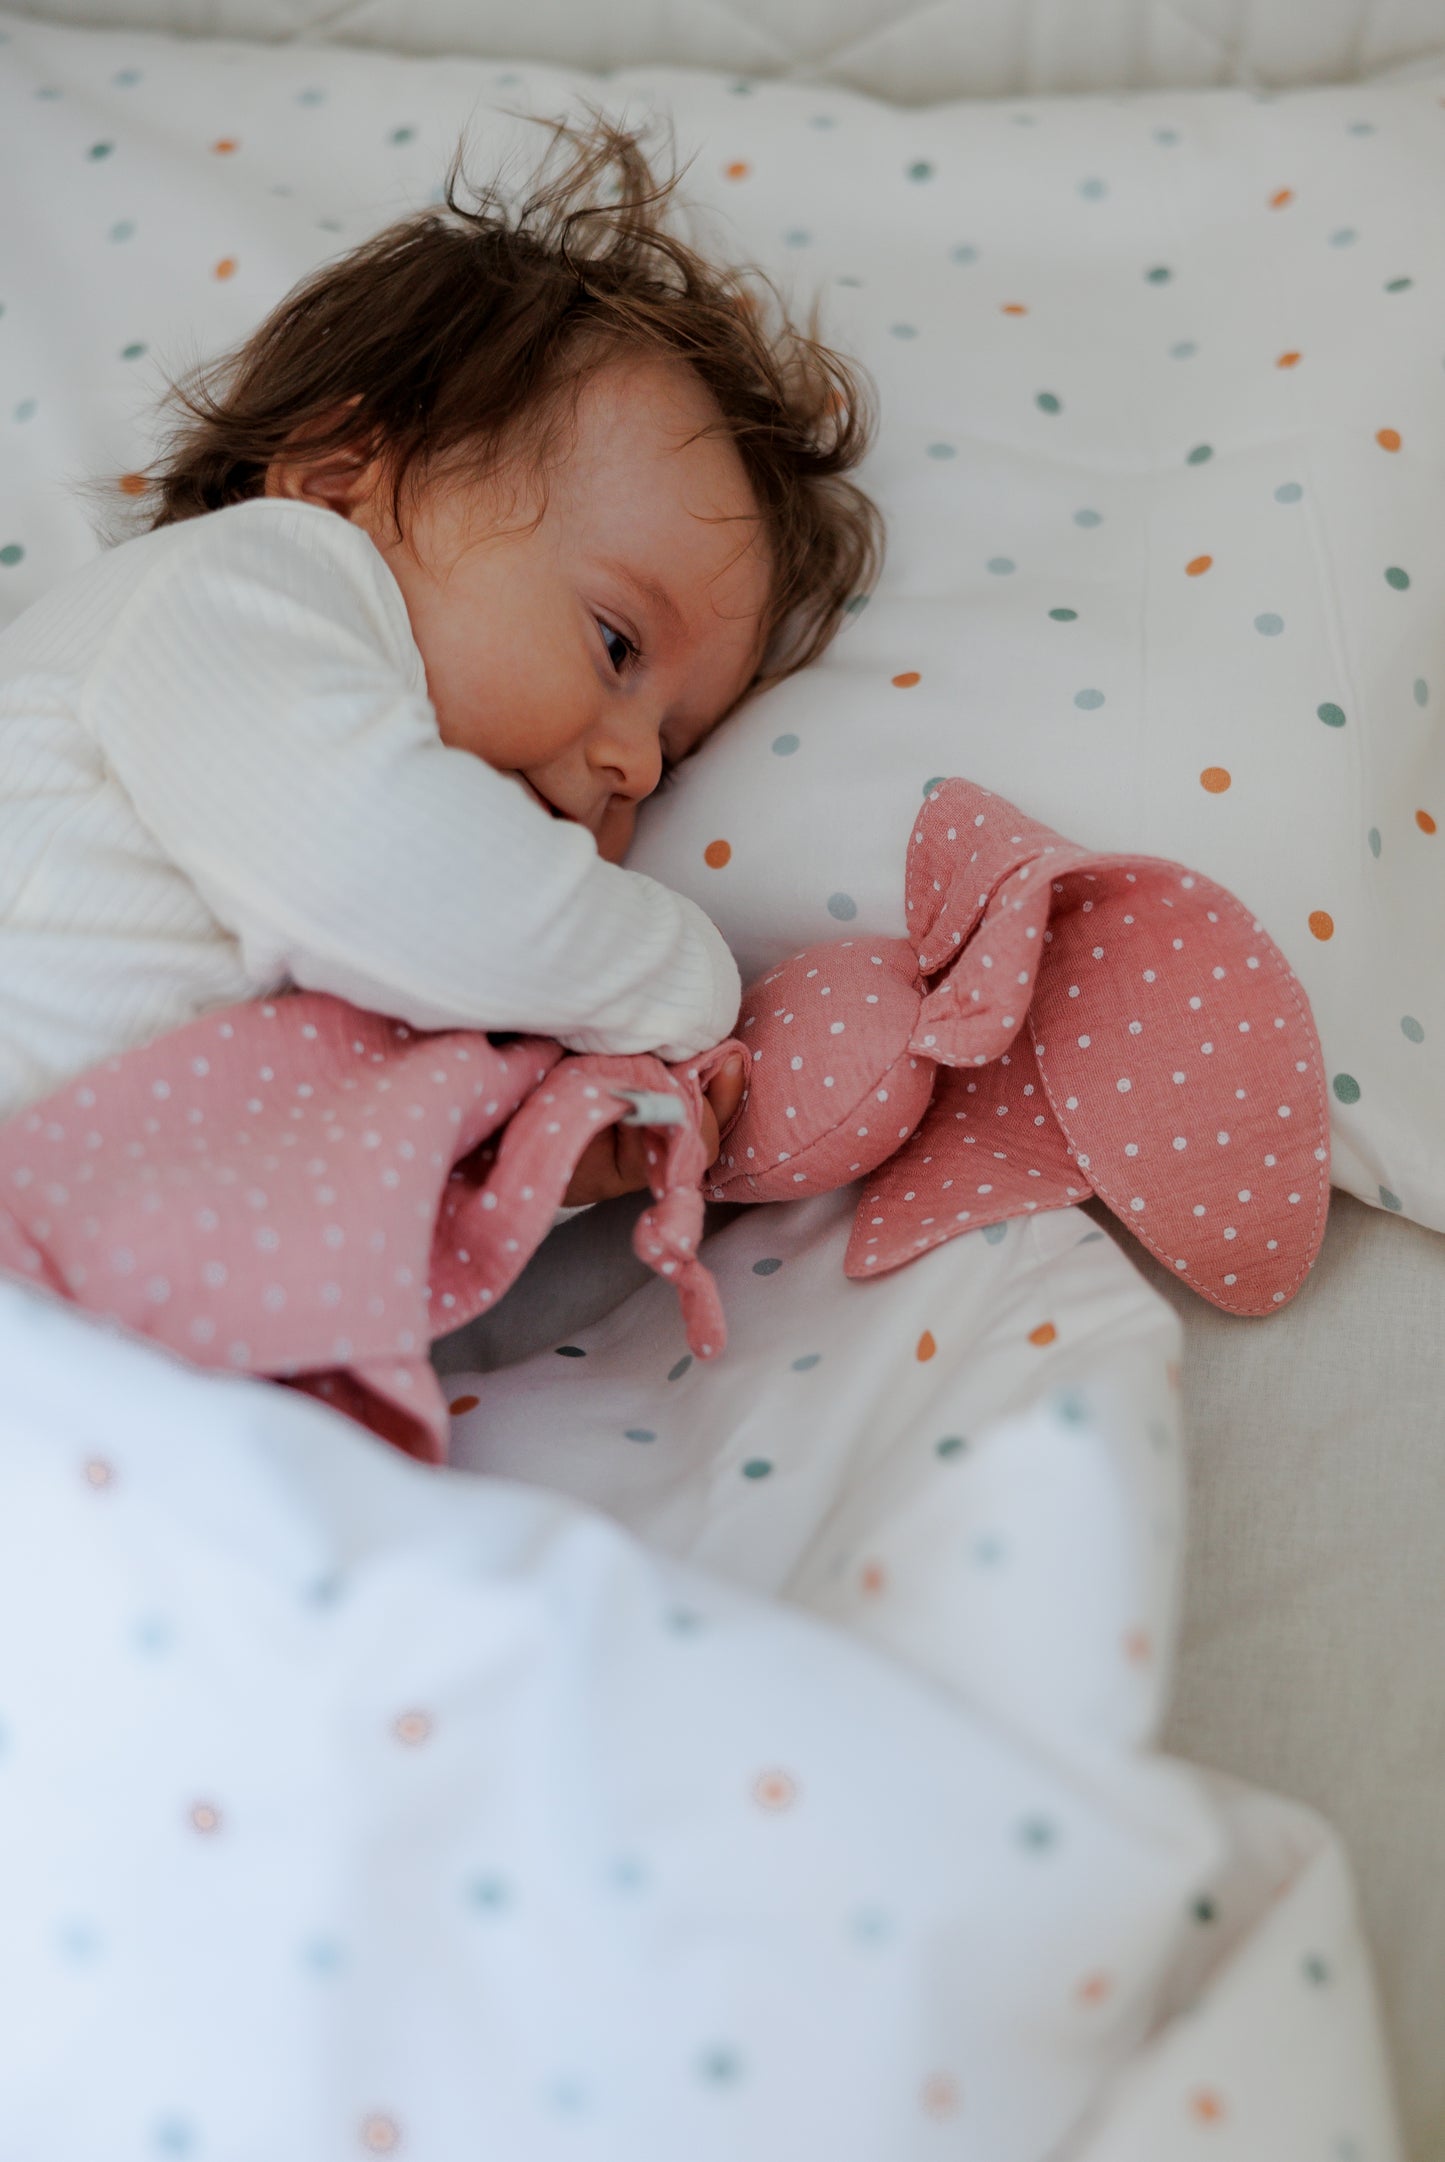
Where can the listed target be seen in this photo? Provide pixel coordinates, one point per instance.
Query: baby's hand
(615, 1162)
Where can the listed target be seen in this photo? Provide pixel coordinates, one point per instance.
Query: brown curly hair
(457, 338)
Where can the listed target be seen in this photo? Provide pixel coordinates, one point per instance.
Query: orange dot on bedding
(1045, 1333)
(464, 1403)
(775, 1790)
(906, 681)
(1424, 821)
(1206, 2106)
(940, 2095)
(1014, 307)
(1322, 923)
(873, 1579)
(1138, 1647)
(225, 146)
(1288, 360)
(1198, 566)
(717, 853)
(925, 1346)
(226, 268)
(1388, 438)
(1280, 197)
(132, 484)
(1094, 1988)
(738, 170)
(1216, 779)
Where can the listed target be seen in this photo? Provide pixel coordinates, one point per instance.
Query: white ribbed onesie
(220, 773)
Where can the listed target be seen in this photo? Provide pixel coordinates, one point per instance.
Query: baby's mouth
(545, 801)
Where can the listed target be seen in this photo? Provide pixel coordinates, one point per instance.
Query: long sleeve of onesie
(263, 703)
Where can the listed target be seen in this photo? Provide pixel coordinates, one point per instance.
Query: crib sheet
(485, 1825)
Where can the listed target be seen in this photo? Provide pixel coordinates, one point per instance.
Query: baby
(485, 529)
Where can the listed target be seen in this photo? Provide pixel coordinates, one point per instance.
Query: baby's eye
(620, 650)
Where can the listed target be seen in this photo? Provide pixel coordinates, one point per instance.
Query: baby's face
(585, 652)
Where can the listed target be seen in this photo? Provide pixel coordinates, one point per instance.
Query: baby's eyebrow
(655, 594)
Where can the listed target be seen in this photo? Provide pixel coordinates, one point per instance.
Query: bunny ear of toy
(1180, 1059)
(988, 1148)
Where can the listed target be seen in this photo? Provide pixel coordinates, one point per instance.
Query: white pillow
(1170, 250)
(1165, 563)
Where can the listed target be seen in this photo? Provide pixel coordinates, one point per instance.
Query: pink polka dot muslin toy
(1058, 1024)
(297, 1189)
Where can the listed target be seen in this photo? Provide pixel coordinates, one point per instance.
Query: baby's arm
(261, 701)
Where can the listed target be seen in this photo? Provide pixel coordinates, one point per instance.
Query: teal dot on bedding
(1422, 691)
(1088, 517)
(920, 169)
(869, 1926)
(784, 746)
(1093, 191)
(1001, 565)
(1346, 1087)
(757, 1467)
(721, 2067)
(937, 782)
(323, 1955)
(856, 606)
(1390, 1201)
(1038, 1834)
(903, 330)
(46, 91)
(1167, 136)
(1333, 716)
(797, 238)
(1344, 238)
(173, 2135)
(570, 1351)
(333, 225)
(988, 1551)
(842, 906)
(963, 253)
(1088, 701)
(1373, 837)
(567, 2095)
(950, 1445)
(152, 1635)
(1397, 578)
(11, 554)
(742, 88)
(639, 1433)
(628, 1873)
(310, 96)
(1063, 615)
(1204, 1910)
(995, 1234)
(809, 1360)
(1048, 403)
(855, 283)
(1399, 285)
(1072, 1408)
(78, 1941)
(1288, 491)
(123, 229)
(675, 1373)
(770, 1267)
(1362, 127)
(1201, 454)
(402, 135)
(100, 150)
(1410, 1028)
(1184, 350)
(126, 79)
(942, 450)
(1269, 625)
(1022, 120)
(1159, 275)
(490, 1894)
(134, 351)
(822, 120)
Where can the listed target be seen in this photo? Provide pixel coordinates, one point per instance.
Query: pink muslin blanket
(298, 1189)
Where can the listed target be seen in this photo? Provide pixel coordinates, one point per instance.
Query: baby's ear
(833, 1086)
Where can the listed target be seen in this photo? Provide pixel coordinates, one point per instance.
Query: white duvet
(809, 1810)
